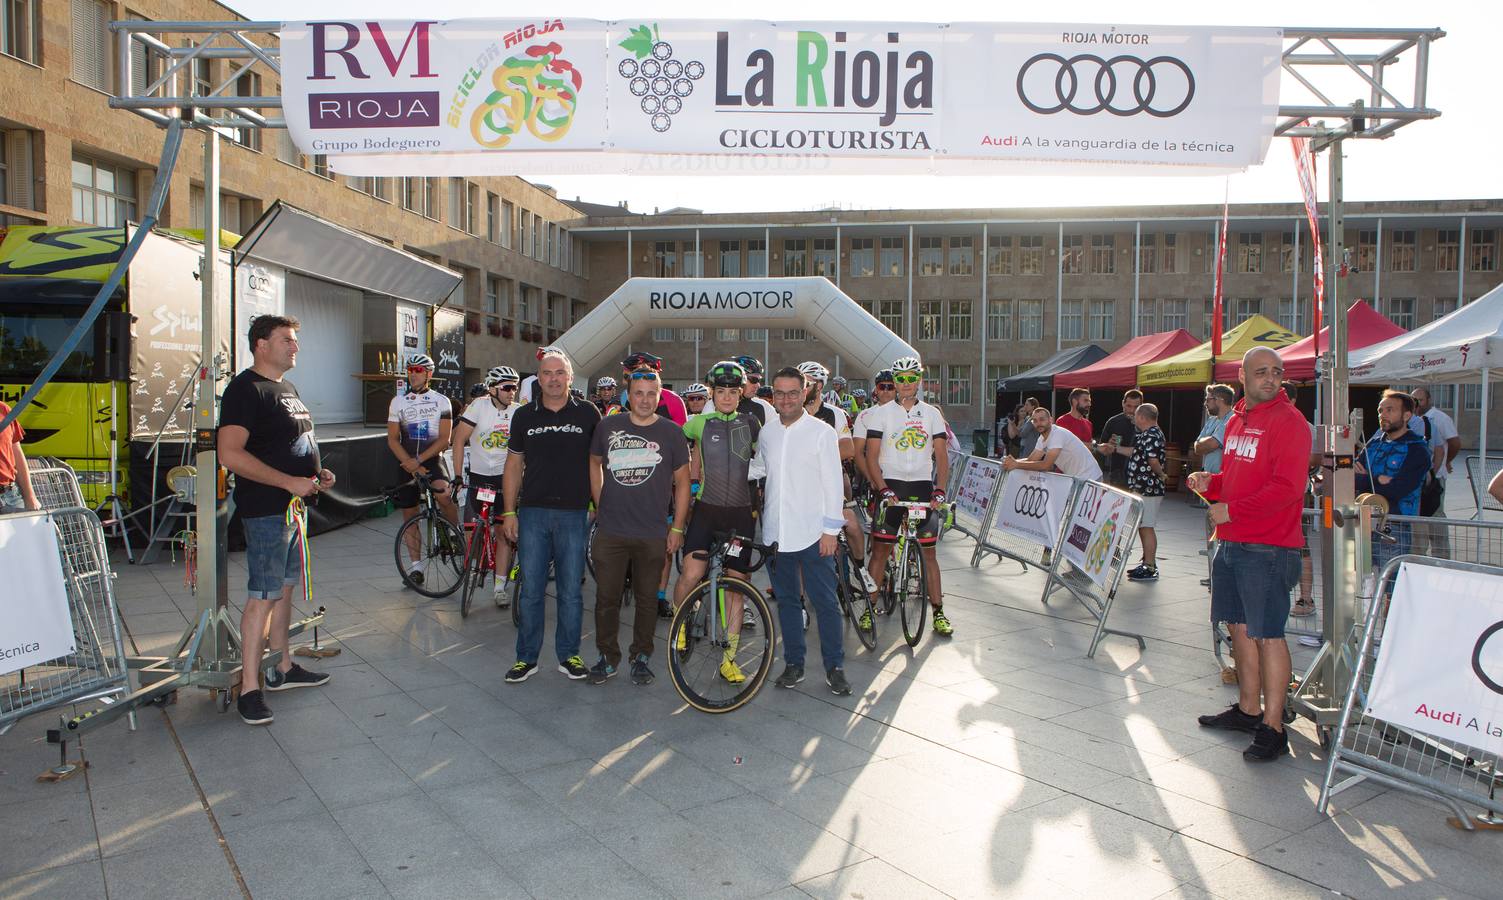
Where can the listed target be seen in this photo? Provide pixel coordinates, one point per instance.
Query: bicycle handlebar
(720, 541)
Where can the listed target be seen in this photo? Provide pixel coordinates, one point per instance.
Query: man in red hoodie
(1255, 504)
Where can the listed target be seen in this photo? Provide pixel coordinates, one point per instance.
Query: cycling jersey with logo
(417, 417)
(726, 444)
(907, 437)
(486, 452)
(834, 417)
(640, 462)
(859, 426)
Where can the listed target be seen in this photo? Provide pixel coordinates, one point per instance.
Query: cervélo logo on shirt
(554, 429)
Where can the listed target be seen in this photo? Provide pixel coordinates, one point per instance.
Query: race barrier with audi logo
(533, 96)
(1424, 712)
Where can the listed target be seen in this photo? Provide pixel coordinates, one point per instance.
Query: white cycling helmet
(907, 364)
(420, 361)
(500, 375)
(606, 382)
(814, 371)
(695, 390)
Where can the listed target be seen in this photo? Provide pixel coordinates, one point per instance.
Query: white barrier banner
(978, 485)
(534, 96)
(1032, 505)
(1096, 524)
(34, 623)
(1440, 665)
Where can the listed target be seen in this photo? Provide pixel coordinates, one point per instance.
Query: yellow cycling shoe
(681, 640)
(731, 672)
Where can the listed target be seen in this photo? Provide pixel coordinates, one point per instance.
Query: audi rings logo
(1161, 86)
(1031, 500)
(1493, 681)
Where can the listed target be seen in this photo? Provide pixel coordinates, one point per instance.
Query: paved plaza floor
(998, 763)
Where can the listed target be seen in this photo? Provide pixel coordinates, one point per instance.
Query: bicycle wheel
(700, 645)
(913, 595)
(890, 585)
(854, 601)
(440, 558)
(474, 569)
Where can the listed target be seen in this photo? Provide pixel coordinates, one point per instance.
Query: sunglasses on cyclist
(506, 387)
(754, 379)
(907, 378)
(886, 386)
(411, 369)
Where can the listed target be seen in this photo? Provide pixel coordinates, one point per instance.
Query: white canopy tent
(1462, 347)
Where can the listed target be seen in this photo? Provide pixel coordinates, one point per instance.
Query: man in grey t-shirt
(1024, 432)
(639, 473)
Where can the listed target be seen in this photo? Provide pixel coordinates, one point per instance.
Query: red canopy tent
(1365, 326)
(1120, 369)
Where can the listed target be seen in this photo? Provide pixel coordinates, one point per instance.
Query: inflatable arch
(865, 345)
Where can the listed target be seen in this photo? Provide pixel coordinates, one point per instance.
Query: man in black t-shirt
(266, 439)
(1119, 432)
(546, 488)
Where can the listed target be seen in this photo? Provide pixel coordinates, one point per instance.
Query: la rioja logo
(654, 74)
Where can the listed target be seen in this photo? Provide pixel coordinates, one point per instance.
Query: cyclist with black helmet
(906, 455)
(752, 402)
(418, 425)
(883, 390)
(482, 436)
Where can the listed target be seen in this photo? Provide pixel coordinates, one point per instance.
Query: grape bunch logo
(537, 92)
(654, 74)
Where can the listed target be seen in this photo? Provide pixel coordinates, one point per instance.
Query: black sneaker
(1267, 745)
(253, 709)
(665, 609)
(1205, 582)
(574, 667)
(1143, 573)
(296, 677)
(601, 671)
(835, 678)
(1232, 719)
(640, 674)
(520, 672)
(791, 676)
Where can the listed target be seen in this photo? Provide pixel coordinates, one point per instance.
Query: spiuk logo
(1465, 349)
(657, 76)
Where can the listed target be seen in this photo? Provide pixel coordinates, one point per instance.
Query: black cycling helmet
(750, 364)
(884, 377)
(726, 373)
(638, 360)
(764, 391)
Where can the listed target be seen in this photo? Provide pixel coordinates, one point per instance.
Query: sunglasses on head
(638, 375)
(907, 378)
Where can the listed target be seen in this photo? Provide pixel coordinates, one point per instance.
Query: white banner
(1440, 665)
(1032, 505)
(1097, 524)
(34, 623)
(525, 96)
(978, 485)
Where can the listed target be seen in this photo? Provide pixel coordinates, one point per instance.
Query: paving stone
(78, 881)
(192, 870)
(308, 856)
(156, 813)
(46, 833)
(350, 776)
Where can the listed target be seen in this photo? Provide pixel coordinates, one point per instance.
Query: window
(1208, 319)
(999, 255)
(531, 311)
(754, 335)
(958, 385)
(1249, 252)
(728, 335)
(1242, 310)
(146, 63)
(994, 374)
(825, 257)
(1443, 306)
(1148, 254)
(1103, 259)
(1176, 315)
(17, 174)
(504, 228)
(794, 334)
(103, 193)
(664, 259)
(203, 76)
(1031, 254)
(999, 320)
(890, 314)
(1401, 251)
(663, 335)
(91, 43)
(1072, 254)
(18, 30)
(1471, 398)
(694, 264)
(235, 213)
(930, 320)
(498, 296)
(863, 257)
(1071, 324)
(247, 85)
(1286, 251)
(539, 237)
(374, 187)
(413, 190)
(458, 205)
(756, 258)
(1447, 250)
(730, 259)
(1484, 250)
(1169, 253)
(1367, 251)
(931, 255)
(492, 218)
(891, 262)
(1444, 396)
(1295, 318)
(556, 252)
(1148, 317)
(962, 256)
(1102, 326)
(286, 150)
(1401, 312)
(933, 382)
(1030, 320)
(321, 169)
(795, 257)
(423, 194)
(960, 320)
(689, 335)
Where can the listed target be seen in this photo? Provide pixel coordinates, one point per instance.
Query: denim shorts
(1250, 584)
(273, 556)
(10, 499)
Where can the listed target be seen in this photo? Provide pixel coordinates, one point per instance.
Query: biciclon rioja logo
(662, 80)
(1122, 85)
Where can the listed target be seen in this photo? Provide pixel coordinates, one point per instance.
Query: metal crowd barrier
(56, 486)
(97, 667)
(1481, 476)
(1366, 748)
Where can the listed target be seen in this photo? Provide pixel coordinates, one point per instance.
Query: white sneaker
(500, 584)
(415, 571)
(866, 580)
(747, 619)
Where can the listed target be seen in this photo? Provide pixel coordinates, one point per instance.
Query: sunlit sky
(1455, 156)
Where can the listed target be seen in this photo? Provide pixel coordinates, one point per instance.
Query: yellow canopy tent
(1193, 367)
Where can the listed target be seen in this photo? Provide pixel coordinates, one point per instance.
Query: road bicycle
(430, 550)
(907, 583)
(480, 556)
(718, 656)
(855, 601)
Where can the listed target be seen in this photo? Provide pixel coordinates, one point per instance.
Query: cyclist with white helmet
(606, 399)
(906, 455)
(815, 376)
(482, 436)
(695, 396)
(418, 425)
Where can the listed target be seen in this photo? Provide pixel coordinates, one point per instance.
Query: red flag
(1304, 168)
(1216, 318)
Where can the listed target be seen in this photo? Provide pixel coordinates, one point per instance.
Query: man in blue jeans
(546, 498)
(803, 514)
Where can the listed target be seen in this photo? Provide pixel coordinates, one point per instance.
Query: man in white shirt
(1439, 430)
(803, 515)
(1057, 449)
